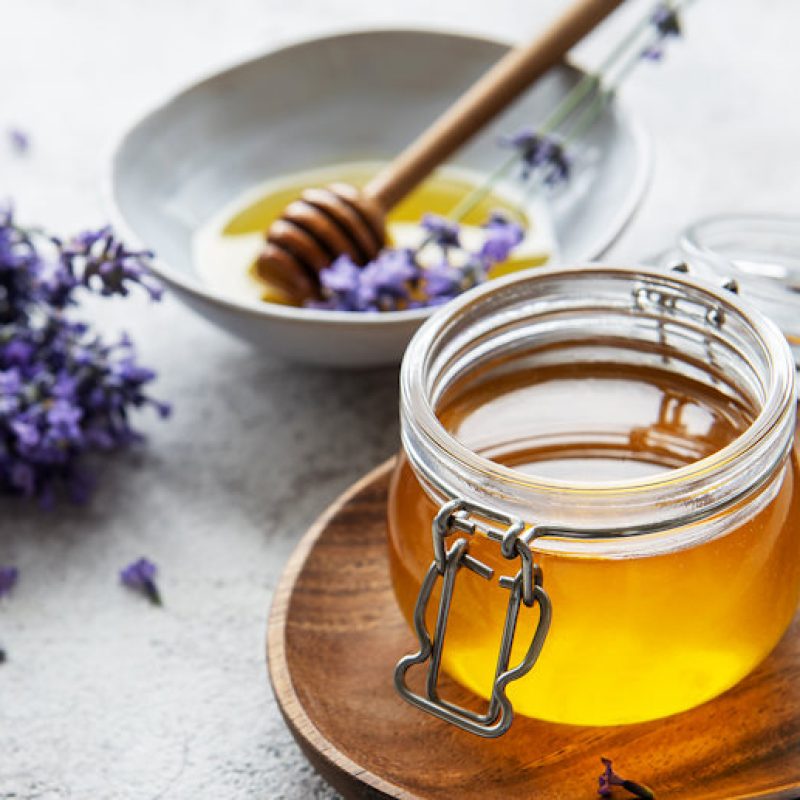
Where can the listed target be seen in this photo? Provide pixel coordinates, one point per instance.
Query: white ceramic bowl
(354, 96)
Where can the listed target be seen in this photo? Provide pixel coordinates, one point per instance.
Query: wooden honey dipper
(341, 219)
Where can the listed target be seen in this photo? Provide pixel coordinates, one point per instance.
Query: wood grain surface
(335, 634)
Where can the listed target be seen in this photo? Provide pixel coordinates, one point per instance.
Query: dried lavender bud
(382, 285)
(8, 579)
(609, 779)
(442, 232)
(540, 154)
(502, 236)
(19, 140)
(140, 576)
(666, 21)
(100, 261)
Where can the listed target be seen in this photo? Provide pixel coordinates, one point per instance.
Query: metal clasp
(525, 588)
(671, 301)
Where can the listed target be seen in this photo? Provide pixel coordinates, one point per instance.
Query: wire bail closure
(525, 589)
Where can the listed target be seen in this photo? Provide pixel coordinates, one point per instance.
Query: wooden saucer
(335, 634)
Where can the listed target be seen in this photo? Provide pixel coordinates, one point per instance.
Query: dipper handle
(484, 100)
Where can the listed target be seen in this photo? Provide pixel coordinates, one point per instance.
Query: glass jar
(595, 497)
(761, 252)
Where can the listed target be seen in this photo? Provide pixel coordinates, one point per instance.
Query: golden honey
(641, 628)
(226, 247)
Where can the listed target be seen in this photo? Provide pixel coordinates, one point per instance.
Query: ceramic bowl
(354, 96)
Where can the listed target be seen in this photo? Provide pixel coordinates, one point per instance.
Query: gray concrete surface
(105, 697)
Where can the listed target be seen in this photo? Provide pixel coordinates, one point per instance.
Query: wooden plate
(335, 634)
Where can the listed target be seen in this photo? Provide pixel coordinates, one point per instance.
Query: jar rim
(778, 401)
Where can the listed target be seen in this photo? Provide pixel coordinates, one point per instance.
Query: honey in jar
(650, 424)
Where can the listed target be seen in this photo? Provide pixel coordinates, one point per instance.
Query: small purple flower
(382, 285)
(609, 779)
(666, 21)
(140, 576)
(386, 281)
(540, 153)
(20, 141)
(440, 231)
(97, 258)
(667, 24)
(341, 281)
(18, 352)
(63, 418)
(8, 579)
(653, 52)
(502, 236)
(342, 276)
(442, 281)
(10, 381)
(26, 432)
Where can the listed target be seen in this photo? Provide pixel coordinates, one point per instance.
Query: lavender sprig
(397, 279)
(666, 22)
(546, 152)
(64, 391)
(609, 779)
(540, 151)
(99, 260)
(140, 575)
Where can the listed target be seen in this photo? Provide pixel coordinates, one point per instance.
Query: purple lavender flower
(382, 285)
(666, 21)
(395, 279)
(609, 779)
(140, 575)
(540, 153)
(8, 579)
(502, 236)
(653, 52)
(63, 390)
(385, 282)
(440, 231)
(98, 259)
(340, 282)
(442, 282)
(20, 141)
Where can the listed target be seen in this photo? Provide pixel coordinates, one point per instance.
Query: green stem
(587, 117)
(471, 199)
(590, 83)
(591, 80)
(590, 115)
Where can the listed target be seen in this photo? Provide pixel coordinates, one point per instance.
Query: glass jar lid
(761, 252)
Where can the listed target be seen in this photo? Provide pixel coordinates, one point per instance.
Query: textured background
(106, 697)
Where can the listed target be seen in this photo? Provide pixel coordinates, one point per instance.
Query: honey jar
(594, 517)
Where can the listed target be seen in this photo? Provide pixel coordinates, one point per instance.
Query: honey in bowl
(562, 400)
(226, 247)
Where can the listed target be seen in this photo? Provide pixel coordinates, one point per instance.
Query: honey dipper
(341, 219)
